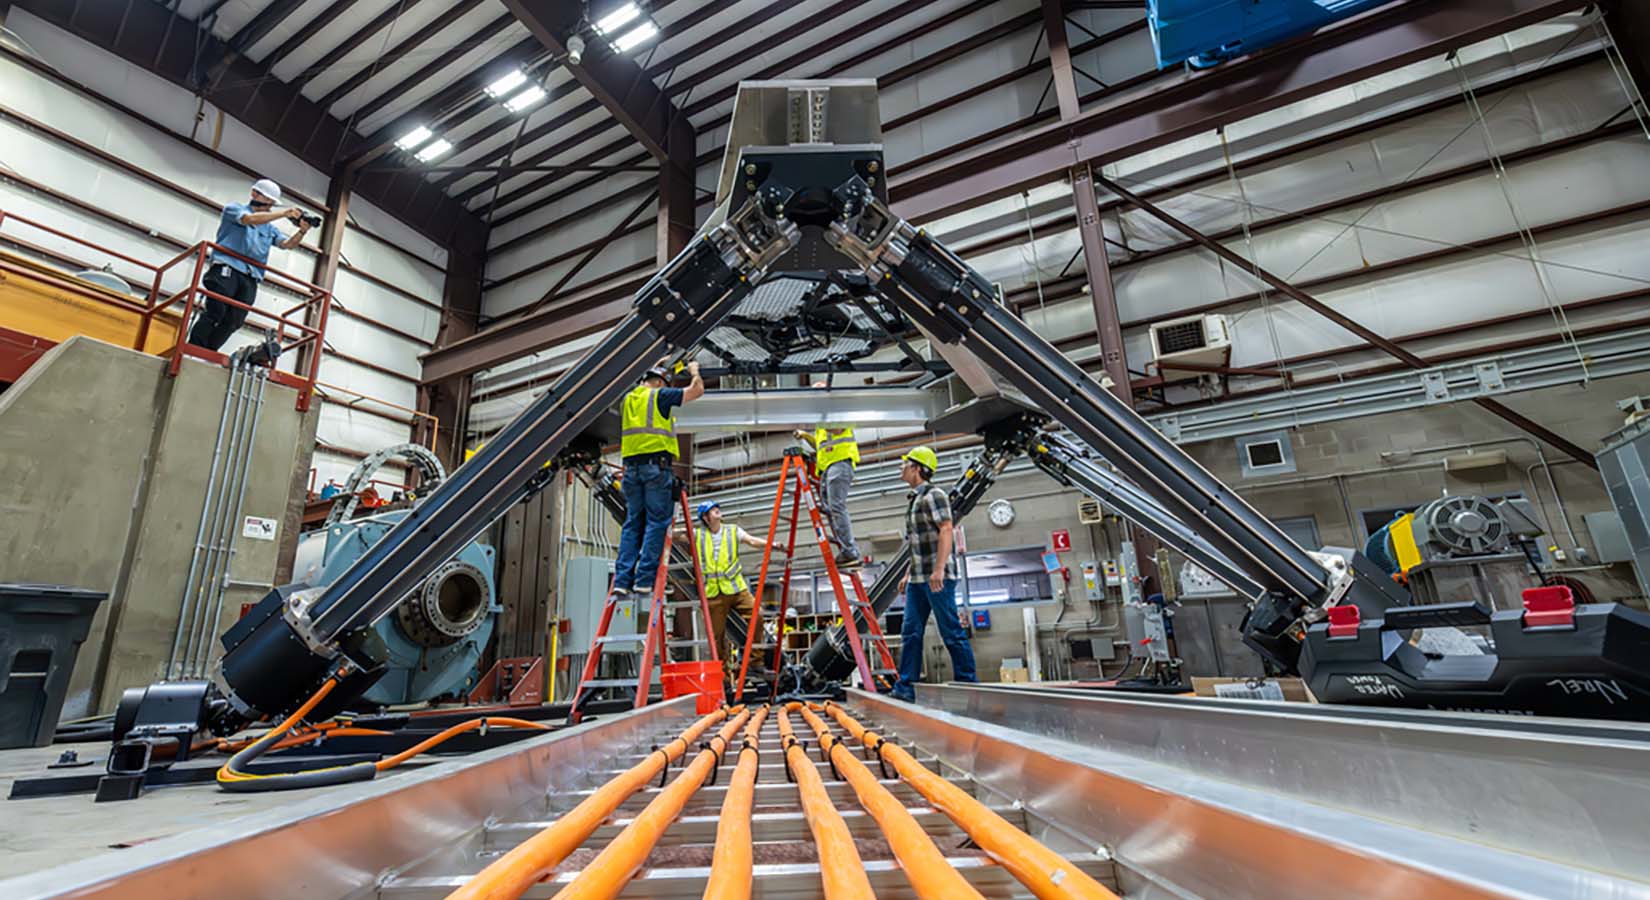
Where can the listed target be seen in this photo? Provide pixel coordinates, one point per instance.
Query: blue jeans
(920, 599)
(647, 497)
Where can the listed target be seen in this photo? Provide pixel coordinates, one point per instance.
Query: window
(1265, 454)
(1014, 575)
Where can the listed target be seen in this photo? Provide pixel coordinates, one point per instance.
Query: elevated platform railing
(298, 326)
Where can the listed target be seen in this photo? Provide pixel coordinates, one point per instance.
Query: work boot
(848, 560)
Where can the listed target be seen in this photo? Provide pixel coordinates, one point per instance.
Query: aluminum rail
(1066, 463)
(1566, 789)
(1186, 831)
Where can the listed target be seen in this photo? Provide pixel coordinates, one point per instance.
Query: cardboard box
(1288, 689)
(1018, 675)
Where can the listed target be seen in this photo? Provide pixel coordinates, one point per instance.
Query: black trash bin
(41, 629)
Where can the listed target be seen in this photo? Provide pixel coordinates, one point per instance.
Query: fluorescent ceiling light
(435, 150)
(502, 87)
(414, 137)
(524, 99)
(636, 36)
(616, 19)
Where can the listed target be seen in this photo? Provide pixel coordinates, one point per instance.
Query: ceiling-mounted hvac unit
(1198, 341)
(1089, 512)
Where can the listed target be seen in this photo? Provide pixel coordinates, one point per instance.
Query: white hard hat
(268, 188)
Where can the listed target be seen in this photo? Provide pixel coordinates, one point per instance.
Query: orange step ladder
(657, 641)
(803, 491)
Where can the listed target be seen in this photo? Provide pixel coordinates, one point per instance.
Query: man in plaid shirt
(928, 531)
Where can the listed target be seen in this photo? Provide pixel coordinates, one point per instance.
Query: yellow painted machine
(42, 306)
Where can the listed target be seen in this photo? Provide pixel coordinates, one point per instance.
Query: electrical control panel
(1093, 587)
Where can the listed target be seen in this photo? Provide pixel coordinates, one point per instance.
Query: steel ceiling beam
(790, 63)
(310, 29)
(395, 54)
(536, 133)
(539, 132)
(267, 20)
(584, 312)
(350, 44)
(451, 106)
(429, 70)
(134, 35)
(1059, 58)
(784, 66)
(1362, 46)
(612, 78)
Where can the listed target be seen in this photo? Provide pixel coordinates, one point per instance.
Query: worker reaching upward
(647, 442)
(725, 586)
(836, 453)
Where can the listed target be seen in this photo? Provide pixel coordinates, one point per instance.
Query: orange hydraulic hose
(840, 867)
(1049, 875)
(730, 866)
(489, 721)
(613, 868)
(931, 876)
(509, 876)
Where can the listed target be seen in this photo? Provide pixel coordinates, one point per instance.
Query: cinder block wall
(103, 472)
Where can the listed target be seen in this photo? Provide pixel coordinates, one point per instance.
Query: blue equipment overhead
(1208, 32)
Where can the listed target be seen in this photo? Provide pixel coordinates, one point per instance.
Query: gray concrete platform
(43, 832)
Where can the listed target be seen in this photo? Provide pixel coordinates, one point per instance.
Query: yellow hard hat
(925, 457)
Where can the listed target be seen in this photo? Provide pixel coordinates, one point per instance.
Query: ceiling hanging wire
(1503, 180)
(1036, 264)
(1246, 214)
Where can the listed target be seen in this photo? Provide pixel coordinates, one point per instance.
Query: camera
(312, 221)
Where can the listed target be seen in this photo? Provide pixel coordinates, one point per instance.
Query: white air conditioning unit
(1199, 341)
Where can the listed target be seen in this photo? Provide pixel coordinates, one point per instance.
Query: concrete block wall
(103, 470)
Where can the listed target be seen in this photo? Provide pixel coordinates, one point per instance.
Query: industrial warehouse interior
(824, 448)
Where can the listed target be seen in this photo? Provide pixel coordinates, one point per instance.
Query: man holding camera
(247, 229)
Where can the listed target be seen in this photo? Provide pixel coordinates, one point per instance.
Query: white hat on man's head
(268, 188)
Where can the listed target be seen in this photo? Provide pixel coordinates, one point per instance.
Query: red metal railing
(291, 333)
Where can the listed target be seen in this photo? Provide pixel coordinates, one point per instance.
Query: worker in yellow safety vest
(725, 585)
(836, 453)
(647, 442)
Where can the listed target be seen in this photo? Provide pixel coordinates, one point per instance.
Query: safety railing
(299, 326)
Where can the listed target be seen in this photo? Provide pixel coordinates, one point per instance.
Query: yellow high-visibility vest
(642, 427)
(834, 445)
(719, 561)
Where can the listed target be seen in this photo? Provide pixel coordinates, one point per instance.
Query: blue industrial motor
(437, 635)
(1208, 32)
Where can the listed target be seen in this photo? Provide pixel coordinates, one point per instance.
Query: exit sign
(1060, 540)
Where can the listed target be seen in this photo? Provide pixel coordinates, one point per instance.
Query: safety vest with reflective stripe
(719, 561)
(642, 427)
(834, 445)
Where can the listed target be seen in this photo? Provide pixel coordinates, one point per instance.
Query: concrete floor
(44, 832)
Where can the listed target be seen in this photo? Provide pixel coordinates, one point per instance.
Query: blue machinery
(1207, 32)
(434, 641)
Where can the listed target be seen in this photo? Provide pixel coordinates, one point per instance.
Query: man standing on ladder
(647, 442)
(725, 585)
(836, 453)
(931, 584)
